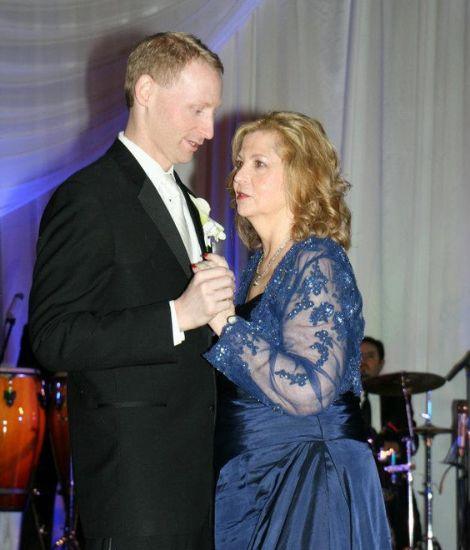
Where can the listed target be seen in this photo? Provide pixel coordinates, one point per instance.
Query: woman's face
(259, 180)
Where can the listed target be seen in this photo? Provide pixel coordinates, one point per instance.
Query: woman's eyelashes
(256, 163)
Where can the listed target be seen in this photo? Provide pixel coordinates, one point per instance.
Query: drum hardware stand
(40, 528)
(430, 541)
(463, 472)
(409, 466)
(407, 383)
(463, 458)
(410, 448)
(69, 540)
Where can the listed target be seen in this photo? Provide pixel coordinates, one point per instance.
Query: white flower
(212, 229)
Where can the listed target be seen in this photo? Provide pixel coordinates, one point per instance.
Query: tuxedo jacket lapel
(158, 212)
(152, 203)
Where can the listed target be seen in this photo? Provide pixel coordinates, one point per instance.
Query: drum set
(30, 408)
(405, 384)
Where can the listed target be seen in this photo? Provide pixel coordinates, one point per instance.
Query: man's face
(178, 118)
(371, 364)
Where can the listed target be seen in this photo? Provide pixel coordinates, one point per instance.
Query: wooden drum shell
(22, 427)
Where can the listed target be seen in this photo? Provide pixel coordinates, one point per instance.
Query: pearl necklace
(258, 275)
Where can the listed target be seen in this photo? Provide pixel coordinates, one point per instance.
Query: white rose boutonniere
(213, 231)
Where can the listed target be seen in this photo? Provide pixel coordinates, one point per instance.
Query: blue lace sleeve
(301, 370)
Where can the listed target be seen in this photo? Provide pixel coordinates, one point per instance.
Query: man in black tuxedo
(114, 304)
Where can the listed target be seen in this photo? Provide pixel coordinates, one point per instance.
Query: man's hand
(209, 293)
(218, 322)
(211, 260)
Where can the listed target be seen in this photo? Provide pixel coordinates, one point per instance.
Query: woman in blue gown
(295, 470)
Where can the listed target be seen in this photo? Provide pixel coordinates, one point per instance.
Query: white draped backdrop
(388, 78)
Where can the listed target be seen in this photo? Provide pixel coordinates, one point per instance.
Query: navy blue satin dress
(294, 469)
(289, 482)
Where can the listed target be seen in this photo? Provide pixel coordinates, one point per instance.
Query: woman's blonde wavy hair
(314, 184)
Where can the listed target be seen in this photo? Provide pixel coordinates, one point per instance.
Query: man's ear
(143, 89)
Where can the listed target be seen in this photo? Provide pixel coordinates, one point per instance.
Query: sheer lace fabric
(301, 348)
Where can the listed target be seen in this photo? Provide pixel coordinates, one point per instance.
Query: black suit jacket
(109, 258)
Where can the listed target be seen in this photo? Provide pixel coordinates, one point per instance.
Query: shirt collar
(151, 167)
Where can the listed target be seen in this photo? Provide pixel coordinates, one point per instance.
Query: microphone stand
(10, 321)
(8, 327)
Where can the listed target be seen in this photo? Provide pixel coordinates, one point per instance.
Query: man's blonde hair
(314, 185)
(163, 56)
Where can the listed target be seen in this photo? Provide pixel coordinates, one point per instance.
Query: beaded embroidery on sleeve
(301, 348)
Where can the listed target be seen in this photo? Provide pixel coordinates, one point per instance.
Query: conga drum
(22, 426)
(58, 421)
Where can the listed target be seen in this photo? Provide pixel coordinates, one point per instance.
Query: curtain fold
(62, 66)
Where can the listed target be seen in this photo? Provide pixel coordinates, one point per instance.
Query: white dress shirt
(174, 200)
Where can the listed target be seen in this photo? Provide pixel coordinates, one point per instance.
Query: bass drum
(22, 426)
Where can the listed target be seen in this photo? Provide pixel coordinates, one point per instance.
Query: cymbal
(391, 384)
(429, 430)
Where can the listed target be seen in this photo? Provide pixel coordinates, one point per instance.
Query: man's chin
(185, 157)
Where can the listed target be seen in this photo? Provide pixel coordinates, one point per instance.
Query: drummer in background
(372, 362)
(390, 437)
